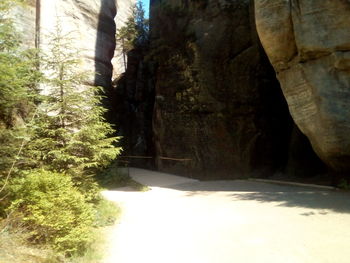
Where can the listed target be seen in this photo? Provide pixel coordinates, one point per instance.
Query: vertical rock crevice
(37, 22)
(105, 43)
(131, 101)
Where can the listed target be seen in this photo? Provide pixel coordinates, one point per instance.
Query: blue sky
(145, 4)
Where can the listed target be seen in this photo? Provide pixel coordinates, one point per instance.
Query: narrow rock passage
(186, 221)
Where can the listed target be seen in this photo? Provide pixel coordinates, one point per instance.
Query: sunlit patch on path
(186, 221)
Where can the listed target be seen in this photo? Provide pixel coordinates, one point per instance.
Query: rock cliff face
(218, 103)
(90, 23)
(26, 22)
(308, 43)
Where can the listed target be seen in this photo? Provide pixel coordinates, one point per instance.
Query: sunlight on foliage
(135, 32)
(69, 133)
(52, 210)
(53, 141)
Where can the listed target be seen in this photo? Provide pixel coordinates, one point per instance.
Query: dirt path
(185, 221)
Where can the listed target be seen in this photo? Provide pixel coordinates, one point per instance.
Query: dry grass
(97, 251)
(15, 249)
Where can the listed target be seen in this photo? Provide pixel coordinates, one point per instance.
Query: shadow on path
(288, 196)
(243, 190)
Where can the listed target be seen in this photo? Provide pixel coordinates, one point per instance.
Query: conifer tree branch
(17, 155)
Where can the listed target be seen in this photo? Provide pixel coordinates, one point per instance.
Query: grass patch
(15, 248)
(107, 213)
(116, 176)
(96, 251)
(344, 185)
(138, 186)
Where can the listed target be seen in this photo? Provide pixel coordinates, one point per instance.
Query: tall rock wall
(308, 43)
(25, 19)
(91, 25)
(218, 105)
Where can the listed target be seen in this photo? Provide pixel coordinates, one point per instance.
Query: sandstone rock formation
(217, 100)
(90, 23)
(308, 43)
(26, 23)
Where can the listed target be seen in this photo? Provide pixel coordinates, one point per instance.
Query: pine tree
(69, 133)
(135, 32)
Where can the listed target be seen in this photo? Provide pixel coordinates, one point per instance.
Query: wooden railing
(158, 165)
(151, 157)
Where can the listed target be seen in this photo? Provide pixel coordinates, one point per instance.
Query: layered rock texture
(218, 106)
(308, 43)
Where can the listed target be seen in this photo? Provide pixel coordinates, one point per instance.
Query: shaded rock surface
(308, 43)
(130, 102)
(217, 100)
(203, 99)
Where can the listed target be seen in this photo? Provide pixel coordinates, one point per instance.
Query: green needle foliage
(18, 69)
(18, 78)
(135, 32)
(52, 210)
(69, 133)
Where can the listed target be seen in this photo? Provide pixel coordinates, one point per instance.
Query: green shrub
(89, 188)
(52, 210)
(114, 176)
(344, 184)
